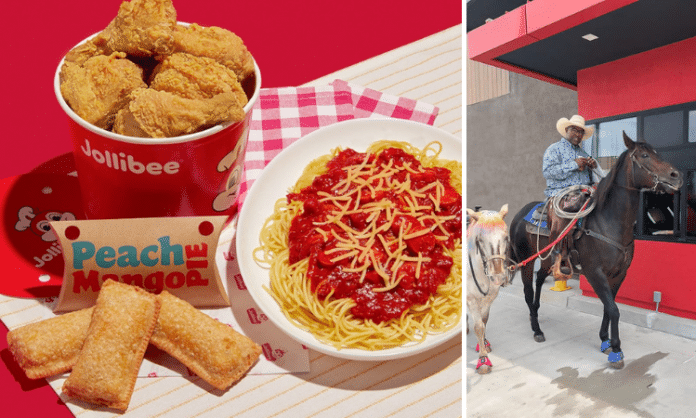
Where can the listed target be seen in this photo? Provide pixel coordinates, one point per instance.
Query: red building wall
(665, 267)
(656, 78)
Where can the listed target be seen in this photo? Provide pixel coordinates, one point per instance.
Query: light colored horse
(488, 244)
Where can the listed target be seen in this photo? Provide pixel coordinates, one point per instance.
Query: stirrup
(574, 258)
(565, 266)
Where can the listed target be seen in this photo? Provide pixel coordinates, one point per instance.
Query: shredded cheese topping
(356, 194)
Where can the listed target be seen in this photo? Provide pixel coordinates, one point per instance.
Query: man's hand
(582, 163)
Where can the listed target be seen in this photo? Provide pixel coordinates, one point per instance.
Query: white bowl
(282, 173)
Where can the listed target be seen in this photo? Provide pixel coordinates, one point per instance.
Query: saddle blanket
(536, 222)
(534, 216)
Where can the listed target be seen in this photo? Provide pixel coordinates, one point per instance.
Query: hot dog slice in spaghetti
(123, 321)
(209, 348)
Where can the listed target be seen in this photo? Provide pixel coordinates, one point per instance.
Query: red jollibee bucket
(190, 175)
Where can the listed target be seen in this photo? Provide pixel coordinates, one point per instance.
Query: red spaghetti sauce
(374, 228)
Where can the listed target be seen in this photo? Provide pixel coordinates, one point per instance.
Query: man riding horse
(566, 164)
(604, 244)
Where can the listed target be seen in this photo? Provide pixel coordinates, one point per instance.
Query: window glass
(664, 129)
(610, 139)
(692, 126)
(588, 144)
(610, 142)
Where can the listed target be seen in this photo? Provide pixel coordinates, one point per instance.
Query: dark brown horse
(605, 247)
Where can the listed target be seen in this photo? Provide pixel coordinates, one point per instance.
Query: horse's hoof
(484, 365)
(606, 347)
(483, 369)
(617, 365)
(616, 360)
(539, 338)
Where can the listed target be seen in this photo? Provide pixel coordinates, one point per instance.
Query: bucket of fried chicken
(159, 113)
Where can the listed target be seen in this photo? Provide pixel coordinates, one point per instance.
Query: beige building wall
(484, 82)
(507, 131)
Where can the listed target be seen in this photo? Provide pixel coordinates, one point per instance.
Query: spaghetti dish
(365, 250)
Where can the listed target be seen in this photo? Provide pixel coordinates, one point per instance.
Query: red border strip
(500, 36)
(549, 17)
(530, 23)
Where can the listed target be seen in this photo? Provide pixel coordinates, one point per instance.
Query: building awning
(552, 40)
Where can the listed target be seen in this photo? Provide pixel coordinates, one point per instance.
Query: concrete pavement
(568, 376)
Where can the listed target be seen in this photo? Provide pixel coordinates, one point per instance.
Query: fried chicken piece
(142, 28)
(195, 77)
(160, 114)
(219, 44)
(100, 87)
(125, 124)
(88, 49)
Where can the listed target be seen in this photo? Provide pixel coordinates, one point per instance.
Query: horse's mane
(605, 186)
(488, 220)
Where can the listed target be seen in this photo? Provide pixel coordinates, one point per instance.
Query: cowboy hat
(575, 120)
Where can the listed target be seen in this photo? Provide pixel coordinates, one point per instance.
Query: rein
(552, 244)
(473, 274)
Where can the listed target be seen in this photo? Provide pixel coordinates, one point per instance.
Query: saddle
(544, 220)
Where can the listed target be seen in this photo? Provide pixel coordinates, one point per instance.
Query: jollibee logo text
(127, 163)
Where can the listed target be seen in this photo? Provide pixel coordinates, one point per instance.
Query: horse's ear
(472, 214)
(503, 211)
(628, 141)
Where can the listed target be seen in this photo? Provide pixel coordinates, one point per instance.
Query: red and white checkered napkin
(283, 115)
(368, 103)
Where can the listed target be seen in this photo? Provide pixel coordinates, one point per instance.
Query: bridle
(655, 177)
(486, 260)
